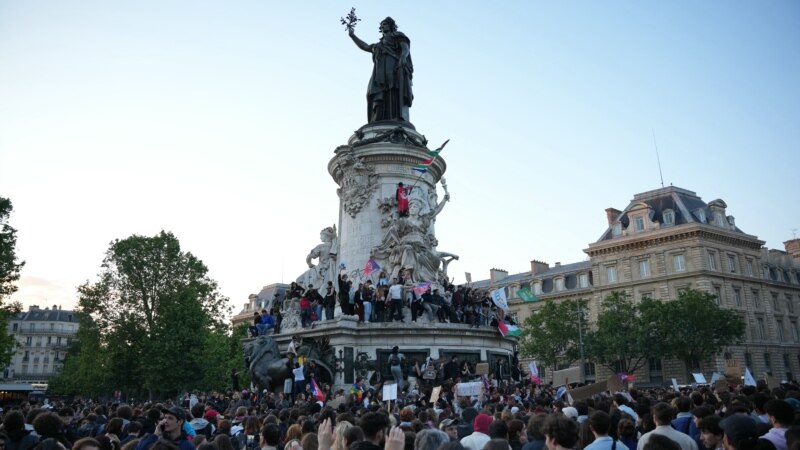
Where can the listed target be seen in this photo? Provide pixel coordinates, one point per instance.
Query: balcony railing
(38, 331)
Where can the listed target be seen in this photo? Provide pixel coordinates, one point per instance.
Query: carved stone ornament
(358, 184)
(397, 135)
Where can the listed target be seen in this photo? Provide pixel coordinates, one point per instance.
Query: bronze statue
(389, 93)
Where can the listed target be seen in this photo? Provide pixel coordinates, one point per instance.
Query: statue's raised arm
(446, 199)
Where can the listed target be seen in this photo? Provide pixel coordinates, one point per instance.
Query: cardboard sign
(435, 394)
(721, 386)
(699, 378)
(482, 369)
(469, 389)
(390, 391)
(589, 390)
(614, 384)
(571, 375)
(733, 371)
(675, 385)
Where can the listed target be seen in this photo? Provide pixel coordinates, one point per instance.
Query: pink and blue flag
(420, 288)
(316, 391)
(371, 267)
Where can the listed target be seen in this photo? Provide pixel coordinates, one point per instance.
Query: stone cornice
(671, 235)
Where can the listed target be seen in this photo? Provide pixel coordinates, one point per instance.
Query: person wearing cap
(781, 416)
(740, 432)
(662, 416)
(450, 426)
(170, 427)
(480, 433)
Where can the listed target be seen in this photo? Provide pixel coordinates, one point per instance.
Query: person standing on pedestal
(344, 294)
(396, 366)
(402, 199)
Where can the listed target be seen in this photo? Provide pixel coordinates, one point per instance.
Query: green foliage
(695, 328)
(623, 337)
(9, 275)
(551, 335)
(157, 322)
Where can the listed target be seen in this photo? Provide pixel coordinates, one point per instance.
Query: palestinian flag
(507, 329)
(423, 166)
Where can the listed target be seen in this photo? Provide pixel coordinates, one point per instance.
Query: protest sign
(571, 374)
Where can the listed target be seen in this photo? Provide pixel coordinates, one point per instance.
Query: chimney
(496, 275)
(33, 307)
(558, 264)
(793, 248)
(539, 267)
(612, 215)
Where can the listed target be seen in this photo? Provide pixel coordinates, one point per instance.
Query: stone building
(667, 240)
(43, 337)
(255, 302)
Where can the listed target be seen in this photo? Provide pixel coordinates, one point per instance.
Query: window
(537, 288)
(737, 297)
(583, 280)
(559, 284)
(776, 307)
(589, 369)
(793, 326)
(779, 326)
(732, 263)
(749, 266)
(616, 229)
(678, 263)
(655, 365)
(14, 327)
(717, 295)
(29, 341)
(756, 300)
(611, 274)
(647, 295)
(748, 360)
(669, 217)
(768, 363)
(644, 268)
(761, 330)
(639, 223)
(789, 304)
(701, 215)
(712, 260)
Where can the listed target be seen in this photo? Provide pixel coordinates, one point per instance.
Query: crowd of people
(382, 300)
(509, 416)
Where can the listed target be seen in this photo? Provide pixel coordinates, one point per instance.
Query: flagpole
(419, 177)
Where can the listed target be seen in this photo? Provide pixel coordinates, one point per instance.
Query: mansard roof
(47, 315)
(686, 205)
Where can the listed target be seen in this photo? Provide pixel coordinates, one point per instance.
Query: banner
(748, 378)
(534, 373)
(499, 298)
(469, 389)
(526, 295)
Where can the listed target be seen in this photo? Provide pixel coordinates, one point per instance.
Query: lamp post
(580, 341)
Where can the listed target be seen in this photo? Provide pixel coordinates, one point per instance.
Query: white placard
(390, 391)
(715, 376)
(675, 385)
(469, 389)
(699, 378)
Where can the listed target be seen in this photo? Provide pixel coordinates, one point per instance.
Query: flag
(507, 329)
(420, 288)
(534, 373)
(748, 378)
(423, 166)
(499, 298)
(371, 267)
(356, 390)
(526, 295)
(316, 391)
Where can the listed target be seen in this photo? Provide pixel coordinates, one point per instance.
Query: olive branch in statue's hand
(350, 20)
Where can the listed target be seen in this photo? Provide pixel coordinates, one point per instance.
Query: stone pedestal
(367, 170)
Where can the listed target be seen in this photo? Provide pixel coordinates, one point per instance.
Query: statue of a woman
(389, 92)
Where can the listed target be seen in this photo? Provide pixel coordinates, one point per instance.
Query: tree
(551, 335)
(694, 328)
(9, 274)
(154, 310)
(623, 338)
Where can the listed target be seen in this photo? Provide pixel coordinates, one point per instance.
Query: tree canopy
(153, 323)
(551, 334)
(10, 268)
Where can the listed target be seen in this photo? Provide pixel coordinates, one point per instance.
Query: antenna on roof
(658, 159)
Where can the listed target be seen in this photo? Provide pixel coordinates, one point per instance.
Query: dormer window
(701, 215)
(638, 222)
(669, 217)
(720, 219)
(559, 284)
(616, 229)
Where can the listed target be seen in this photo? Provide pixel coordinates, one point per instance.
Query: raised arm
(359, 43)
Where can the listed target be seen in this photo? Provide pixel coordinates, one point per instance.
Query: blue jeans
(367, 311)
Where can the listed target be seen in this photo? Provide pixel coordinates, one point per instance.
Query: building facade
(255, 302)
(42, 338)
(667, 240)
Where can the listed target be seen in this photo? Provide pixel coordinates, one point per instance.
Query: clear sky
(216, 121)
